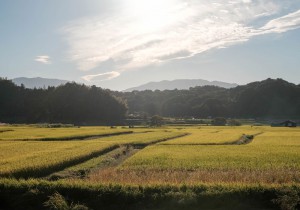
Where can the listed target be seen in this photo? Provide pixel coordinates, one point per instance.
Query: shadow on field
(35, 194)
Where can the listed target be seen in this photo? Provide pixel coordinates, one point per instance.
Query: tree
(156, 120)
(71, 103)
(219, 121)
(234, 122)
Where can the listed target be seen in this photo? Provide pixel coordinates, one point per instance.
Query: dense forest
(81, 104)
(69, 103)
(269, 99)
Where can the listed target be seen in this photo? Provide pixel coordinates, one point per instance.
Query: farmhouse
(287, 123)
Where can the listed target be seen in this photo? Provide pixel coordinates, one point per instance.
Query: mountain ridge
(180, 84)
(38, 82)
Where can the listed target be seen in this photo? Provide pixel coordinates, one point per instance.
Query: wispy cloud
(101, 77)
(43, 59)
(179, 30)
(283, 24)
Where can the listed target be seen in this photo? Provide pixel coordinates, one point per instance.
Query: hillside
(271, 98)
(180, 84)
(71, 103)
(38, 82)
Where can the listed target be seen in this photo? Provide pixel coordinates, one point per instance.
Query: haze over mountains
(38, 82)
(180, 84)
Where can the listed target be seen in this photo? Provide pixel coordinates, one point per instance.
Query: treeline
(266, 99)
(69, 103)
(80, 104)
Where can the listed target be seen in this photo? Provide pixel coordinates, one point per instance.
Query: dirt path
(246, 139)
(112, 158)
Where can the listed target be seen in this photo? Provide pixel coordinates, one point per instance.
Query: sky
(118, 44)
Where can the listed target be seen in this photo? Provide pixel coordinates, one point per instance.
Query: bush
(287, 199)
(58, 202)
(219, 121)
(156, 120)
(234, 122)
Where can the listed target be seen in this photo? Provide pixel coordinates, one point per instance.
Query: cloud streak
(283, 24)
(182, 29)
(101, 77)
(43, 59)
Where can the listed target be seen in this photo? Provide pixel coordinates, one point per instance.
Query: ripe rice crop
(213, 135)
(36, 133)
(273, 156)
(38, 158)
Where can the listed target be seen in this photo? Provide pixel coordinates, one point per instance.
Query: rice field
(213, 135)
(199, 153)
(19, 133)
(269, 150)
(273, 156)
(187, 164)
(37, 158)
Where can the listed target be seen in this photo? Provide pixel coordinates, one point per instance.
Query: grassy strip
(78, 137)
(32, 194)
(81, 170)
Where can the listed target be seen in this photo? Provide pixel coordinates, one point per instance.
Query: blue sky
(119, 44)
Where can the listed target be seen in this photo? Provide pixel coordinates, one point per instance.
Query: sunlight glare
(152, 15)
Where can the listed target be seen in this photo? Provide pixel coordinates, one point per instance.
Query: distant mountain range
(38, 82)
(180, 84)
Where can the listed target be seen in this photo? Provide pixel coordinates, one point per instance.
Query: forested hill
(69, 103)
(80, 104)
(266, 99)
